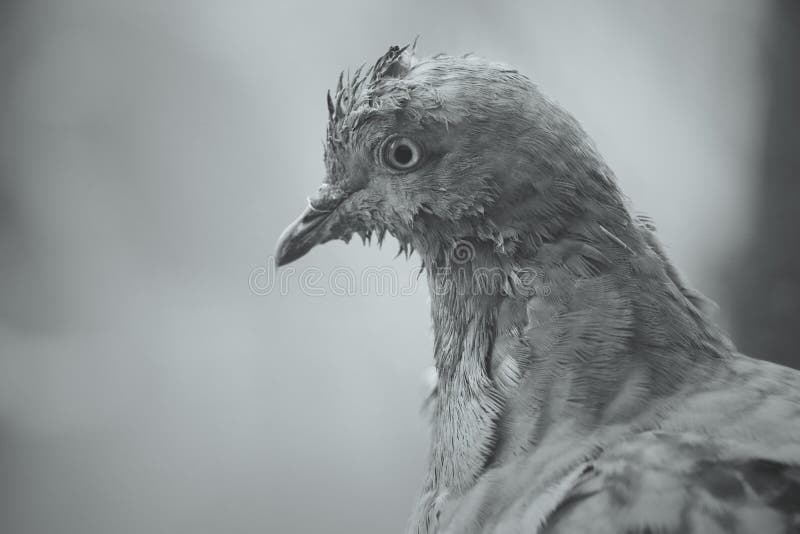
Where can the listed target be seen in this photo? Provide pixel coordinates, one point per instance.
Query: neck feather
(590, 327)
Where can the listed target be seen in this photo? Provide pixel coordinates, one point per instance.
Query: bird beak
(302, 235)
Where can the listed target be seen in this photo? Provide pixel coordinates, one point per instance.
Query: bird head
(441, 149)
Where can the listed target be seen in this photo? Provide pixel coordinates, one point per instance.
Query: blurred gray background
(151, 152)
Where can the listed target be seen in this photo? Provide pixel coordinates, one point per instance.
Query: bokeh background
(152, 151)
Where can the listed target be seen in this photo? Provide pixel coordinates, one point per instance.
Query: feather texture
(581, 385)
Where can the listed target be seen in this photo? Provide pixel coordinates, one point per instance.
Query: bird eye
(401, 153)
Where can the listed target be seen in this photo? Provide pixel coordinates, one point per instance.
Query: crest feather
(353, 91)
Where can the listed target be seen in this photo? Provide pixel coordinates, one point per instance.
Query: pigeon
(582, 385)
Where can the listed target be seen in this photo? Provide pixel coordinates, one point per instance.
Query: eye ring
(401, 153)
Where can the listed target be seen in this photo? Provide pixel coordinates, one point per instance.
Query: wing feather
(670, 483)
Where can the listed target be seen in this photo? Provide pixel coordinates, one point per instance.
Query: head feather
(361, 89)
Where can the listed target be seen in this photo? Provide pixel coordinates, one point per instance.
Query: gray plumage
(581, 385)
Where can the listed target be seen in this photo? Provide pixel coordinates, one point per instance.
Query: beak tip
(302, 235)
(292, 245)
(281, 260)
(284, 252)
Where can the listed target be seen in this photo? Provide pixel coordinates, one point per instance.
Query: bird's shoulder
(680, 483)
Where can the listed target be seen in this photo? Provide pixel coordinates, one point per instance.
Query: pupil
(403, 154)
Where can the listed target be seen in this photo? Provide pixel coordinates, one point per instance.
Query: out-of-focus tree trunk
(766, 316)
